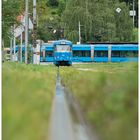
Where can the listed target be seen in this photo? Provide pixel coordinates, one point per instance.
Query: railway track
(67, 122)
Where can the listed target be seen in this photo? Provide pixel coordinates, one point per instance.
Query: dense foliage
(99, 20)
(52, 3)
(59, 18)
(10, 9)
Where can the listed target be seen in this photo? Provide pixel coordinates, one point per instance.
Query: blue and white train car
(124, 53)
(62, 52)
(105, 53)
(81, 53)
(46, 53)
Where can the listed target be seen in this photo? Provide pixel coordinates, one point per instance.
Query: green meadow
(27, 93)
(108, 95)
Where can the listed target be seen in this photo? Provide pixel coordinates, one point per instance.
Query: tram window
(62, 48)
(86, 54)
(135, 53)
(49, 54)
(101, 54)
(75, 53)
(129, 54)
(81, 53)
(115, 54)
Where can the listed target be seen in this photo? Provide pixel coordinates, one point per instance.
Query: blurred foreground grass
(108, 95)
(27, 92)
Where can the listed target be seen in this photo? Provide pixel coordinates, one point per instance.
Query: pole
(11, 44)
(26, 29)
(37, 20)
(79, 33)
(14, 45)
(14, 42)
(3, 53)
(133, 13)
(34, 30)
(21, 48)
(34, 11)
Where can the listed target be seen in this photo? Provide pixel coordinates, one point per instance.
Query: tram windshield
(62, 48)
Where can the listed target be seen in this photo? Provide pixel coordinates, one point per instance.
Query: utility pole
(79, 33)
(26, 29)
(133, 13)
(3, 53)
(14, 44)
(21, 48)
(34, 27)
(11, 44)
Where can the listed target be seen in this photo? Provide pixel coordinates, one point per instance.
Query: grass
(27, 92)
(107, 93)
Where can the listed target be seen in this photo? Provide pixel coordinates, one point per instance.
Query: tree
(99, 20)
(61, 7)
(10, 9)
(53, 3)
(124, 27)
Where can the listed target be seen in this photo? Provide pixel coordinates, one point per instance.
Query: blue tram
(105, 53)
(62, 50)
(46, 53)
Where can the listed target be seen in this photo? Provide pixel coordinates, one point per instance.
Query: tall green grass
(107, 93)
(27, 92)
